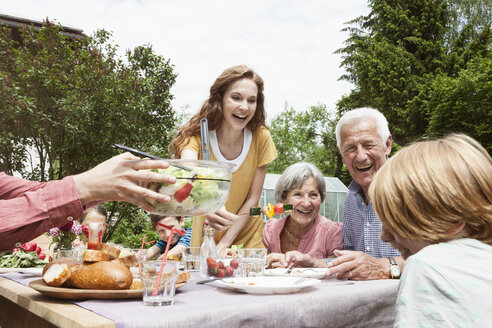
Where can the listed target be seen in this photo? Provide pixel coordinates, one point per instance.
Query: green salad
(197, 192)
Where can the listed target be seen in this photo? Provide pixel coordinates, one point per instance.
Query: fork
(289, 270)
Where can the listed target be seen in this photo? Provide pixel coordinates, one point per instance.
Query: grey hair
(293, 178)
(361, 113)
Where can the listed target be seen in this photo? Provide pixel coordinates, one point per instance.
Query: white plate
(266, 285)
(318, 273)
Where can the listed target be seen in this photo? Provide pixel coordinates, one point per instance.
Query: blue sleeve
(186, 239)
(347, 233)
(162, 245)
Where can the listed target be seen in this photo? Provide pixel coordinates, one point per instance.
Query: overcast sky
(289, 43)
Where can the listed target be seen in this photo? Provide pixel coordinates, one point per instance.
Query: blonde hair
(212, 107)
(428, 188)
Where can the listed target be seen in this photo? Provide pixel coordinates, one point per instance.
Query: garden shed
(331, 208)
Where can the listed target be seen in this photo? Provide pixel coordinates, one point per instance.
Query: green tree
(70, 99)
(464, 103)
(305, 136)
(475, 15)
(66, 101)
(394, 54)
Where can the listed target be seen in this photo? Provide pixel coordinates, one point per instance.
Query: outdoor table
(328, 304)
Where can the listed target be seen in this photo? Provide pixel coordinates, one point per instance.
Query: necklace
(293, 236)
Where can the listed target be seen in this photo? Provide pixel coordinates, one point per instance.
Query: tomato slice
(182, 193)
(279, 208)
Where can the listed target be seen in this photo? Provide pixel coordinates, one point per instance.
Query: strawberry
(41, 256)
(234, 264)
(211, 262)
(213, 267)
(38, 250)
(229, 271)
(221, 265)
(221, 273)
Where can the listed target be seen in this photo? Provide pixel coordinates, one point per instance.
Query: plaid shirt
(362, 227)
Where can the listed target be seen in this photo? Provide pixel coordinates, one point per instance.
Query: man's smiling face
(363, 151)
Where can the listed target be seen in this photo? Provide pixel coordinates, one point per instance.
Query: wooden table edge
(60, 313)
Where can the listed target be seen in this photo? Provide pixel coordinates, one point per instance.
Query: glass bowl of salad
(202, 187)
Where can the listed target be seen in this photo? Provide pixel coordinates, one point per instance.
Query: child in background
(178, 242)
(434, 199)
(95, 214)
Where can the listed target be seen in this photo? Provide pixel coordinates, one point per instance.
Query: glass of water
(252, 261)
(158, 291)
(191, 258)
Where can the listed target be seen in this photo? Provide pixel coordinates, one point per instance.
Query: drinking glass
(252, 261)
(191, 258)
(159, 292)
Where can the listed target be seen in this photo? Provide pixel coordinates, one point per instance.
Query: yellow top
(261, 152)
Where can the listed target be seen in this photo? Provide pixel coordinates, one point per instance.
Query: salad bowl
(202, 187)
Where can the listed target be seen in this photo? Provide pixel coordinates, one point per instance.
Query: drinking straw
(164, 258)
(139, 255)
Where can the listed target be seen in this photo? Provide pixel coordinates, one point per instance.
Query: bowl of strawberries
(223, 267)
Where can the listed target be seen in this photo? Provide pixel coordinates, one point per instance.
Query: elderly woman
(304, 229)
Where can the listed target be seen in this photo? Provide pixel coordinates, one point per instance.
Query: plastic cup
(252, 262)
(159, 292)
(191, 258)
(95, 234)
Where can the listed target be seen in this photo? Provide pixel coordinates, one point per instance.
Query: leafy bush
(130, 230)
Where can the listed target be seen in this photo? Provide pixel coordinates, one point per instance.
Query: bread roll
(129, 260)
(183, 276)
(136, 284)
(91, 255)
(69, 261)
(56, 274)
(112, 251)
(101, 275)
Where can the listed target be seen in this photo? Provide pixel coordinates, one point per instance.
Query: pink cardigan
(28, 208)
(320, 241)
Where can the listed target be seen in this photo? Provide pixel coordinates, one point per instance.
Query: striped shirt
(184, 240)
(362, 227)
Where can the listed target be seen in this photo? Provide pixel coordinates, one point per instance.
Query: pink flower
(54, 232)
(77, 228)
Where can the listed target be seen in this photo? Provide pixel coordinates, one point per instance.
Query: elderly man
(364, 141)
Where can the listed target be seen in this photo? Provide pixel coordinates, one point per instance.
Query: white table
(361, 304)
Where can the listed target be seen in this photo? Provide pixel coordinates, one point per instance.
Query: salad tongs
(143, 154)
(205, 139)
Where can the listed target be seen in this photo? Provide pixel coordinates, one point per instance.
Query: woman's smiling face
(305, 201)
(239, 103)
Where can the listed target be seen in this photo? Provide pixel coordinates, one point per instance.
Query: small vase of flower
(64, 236)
